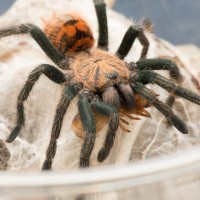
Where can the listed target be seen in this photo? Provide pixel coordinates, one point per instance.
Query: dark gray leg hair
(53, 74)
(159, 64)
(163, 108)
(89, 127)
(100, 8)
(152, 77)
(131, 34)
(68, 94)
(113, 124)
(38, 35)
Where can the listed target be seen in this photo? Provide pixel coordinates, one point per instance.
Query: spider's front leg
(152, 77)
(40, 38)
(113, 124)
(53, 74)
(163, 108)
(69, 92)
(159, 64)
(89, 126)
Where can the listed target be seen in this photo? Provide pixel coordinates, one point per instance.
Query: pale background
(175, 21)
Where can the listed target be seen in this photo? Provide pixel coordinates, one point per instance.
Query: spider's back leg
(131, 34)
(100, 8)
(40, 38)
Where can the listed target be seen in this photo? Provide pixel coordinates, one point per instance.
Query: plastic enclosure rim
(102, 179)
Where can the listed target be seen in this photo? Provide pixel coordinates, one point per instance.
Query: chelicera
(107, 87)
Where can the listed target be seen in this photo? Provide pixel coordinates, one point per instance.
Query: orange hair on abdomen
(69, 34)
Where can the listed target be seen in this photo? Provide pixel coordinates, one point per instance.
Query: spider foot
(47, 165)
(178, 123)
(13, 134)
(84, 163)
(102, 155)
(4, 155)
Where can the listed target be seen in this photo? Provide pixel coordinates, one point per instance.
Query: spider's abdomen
(98, 70)
(69, 34)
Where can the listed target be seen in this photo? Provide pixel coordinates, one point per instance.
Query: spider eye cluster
(113, 75)
(71, 35)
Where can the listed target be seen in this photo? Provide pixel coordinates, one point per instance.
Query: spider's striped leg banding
(163, 108)
(89, 126)
(152, 77)
(53, 74)
(131, 34)
(69, 92)
(113, 124)
(100, 8)
(41, 39)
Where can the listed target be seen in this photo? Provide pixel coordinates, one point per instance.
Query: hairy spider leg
(131, 34)
(69, 92)
(162, 107)
(89, 126)
(113, 124)
(100, 8)
(152, 77)
(159, 64)
(41, 39)
(53, 74)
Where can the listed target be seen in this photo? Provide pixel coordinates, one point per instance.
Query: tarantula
(107, 87)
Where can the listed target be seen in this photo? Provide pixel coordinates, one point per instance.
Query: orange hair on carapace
(69, 33)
